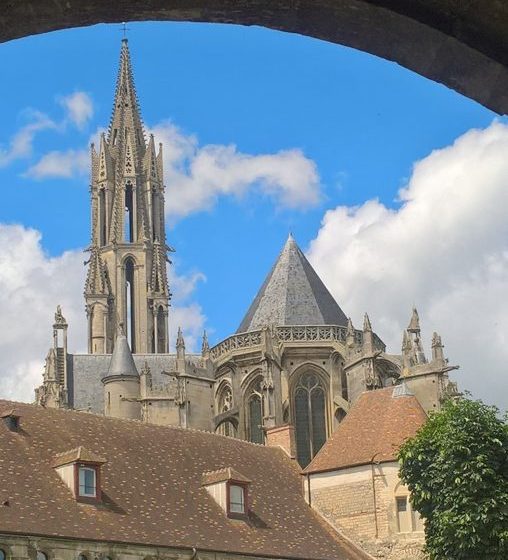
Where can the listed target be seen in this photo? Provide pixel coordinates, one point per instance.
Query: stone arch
(224, 399)
(460, 44)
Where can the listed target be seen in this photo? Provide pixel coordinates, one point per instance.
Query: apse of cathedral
(292, 370)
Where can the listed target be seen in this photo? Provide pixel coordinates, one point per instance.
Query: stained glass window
(310, 417)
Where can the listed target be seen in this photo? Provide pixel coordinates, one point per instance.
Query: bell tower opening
(102, 218)
(130, 307)
(129, 214)
(161, 331)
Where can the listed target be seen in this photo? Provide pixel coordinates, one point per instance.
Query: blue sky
(363, 122)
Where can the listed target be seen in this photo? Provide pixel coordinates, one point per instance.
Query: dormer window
(229, 489)
(87, 482)
(237, 498)
(80, 470)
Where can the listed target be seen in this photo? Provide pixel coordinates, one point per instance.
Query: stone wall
(360, 502)
(27, 547)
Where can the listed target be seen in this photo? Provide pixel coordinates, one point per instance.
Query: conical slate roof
(122, 362)
(292, 294)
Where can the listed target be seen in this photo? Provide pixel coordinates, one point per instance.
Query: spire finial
(180, 342)
(414, 324)
(367, 327)
(205, 347)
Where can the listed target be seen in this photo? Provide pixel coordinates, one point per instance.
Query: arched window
(254, 412)
(161, 330)
(129, 213)
(41, 555)
(82, 557)
(309, 416)
(225, 399)
(102, 217)
(226, 428)
(3, 556)
(130, 311)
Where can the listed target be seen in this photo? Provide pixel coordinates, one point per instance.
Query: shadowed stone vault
(462, 44)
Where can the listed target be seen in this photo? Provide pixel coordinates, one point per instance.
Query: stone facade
(361, 502)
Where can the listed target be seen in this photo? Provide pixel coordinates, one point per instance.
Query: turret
(122, 383)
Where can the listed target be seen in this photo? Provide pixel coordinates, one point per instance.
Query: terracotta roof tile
(222, 475)
(376, 426)
(152, 488)
(77, 454)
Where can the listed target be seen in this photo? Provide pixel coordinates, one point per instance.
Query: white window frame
(82, 486)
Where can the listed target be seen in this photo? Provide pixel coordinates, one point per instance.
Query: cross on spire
(124, 29)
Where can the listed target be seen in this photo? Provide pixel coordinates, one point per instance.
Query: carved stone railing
(318, 333)
(236, 342)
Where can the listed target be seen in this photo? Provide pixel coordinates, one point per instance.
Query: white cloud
(78, 107)
(33, 284)
(21, 144)
(445, 250)
(197, 176)
(62, 165)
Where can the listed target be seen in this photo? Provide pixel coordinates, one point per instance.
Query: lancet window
(254, 412)
(309, 416)
(129, 213)
(130, 304)
(161, 330)
(102, 217)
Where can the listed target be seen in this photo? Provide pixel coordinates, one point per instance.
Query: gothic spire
(126, 112)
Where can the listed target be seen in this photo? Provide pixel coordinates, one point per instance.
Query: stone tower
(126, 285)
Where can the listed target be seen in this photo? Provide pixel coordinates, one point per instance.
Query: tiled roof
(222, 475)
(78, 454)
(376, 426)
(292, 294)
(152, 488)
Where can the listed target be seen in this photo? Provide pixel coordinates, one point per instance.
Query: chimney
(283, 437)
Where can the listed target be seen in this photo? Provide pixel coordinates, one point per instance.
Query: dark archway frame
(462, 44)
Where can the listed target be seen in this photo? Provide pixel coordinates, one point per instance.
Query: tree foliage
(456, 469)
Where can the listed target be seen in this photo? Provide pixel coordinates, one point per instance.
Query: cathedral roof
(122, 362)
(373, 431)
(152, 491)
(292, 294)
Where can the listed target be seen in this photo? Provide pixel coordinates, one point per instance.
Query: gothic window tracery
(254, 411)
(309, 416)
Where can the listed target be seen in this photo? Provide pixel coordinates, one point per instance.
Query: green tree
(456, 468)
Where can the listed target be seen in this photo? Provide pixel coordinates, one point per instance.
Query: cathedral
(280, 442)
(293, 369)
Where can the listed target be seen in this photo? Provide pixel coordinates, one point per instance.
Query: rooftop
(292, 294)
(152, 488)
(377, 425)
